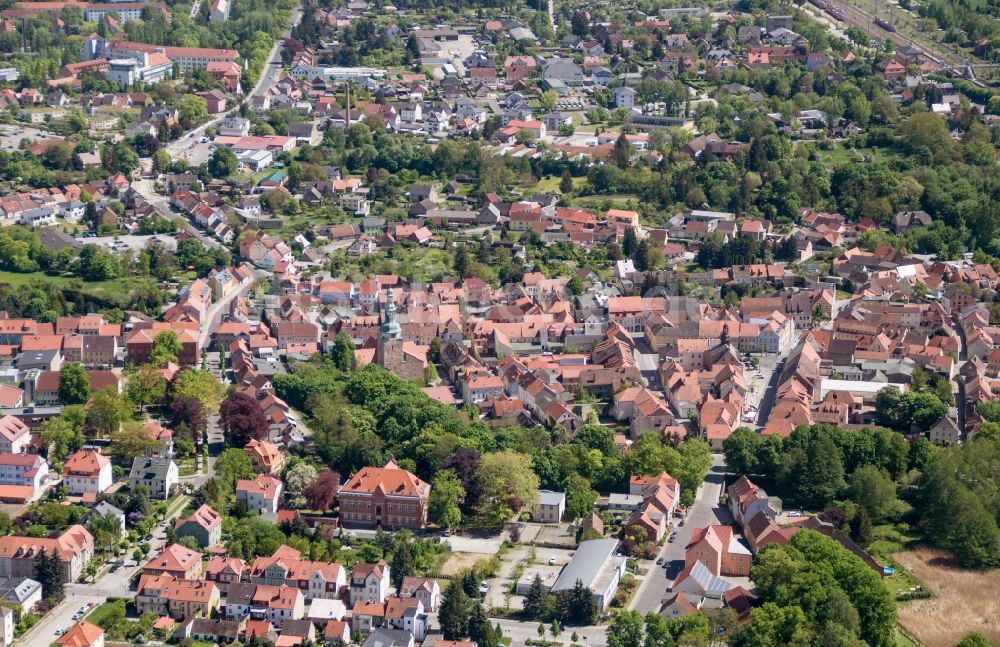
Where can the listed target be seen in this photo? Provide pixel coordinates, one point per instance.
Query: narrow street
(213, 317)
(705, 511)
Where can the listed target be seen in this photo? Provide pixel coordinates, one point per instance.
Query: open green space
(100, 289)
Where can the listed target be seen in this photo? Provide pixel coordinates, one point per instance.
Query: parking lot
(524, 562)
(130, 242)
(11, 136)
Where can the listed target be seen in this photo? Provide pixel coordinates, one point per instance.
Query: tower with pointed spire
(405, 359)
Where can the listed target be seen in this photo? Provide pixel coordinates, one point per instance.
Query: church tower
(390, 338)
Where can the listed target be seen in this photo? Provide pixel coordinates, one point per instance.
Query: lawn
(551, 184)
(100, 289)
(619, 201)
(17, 280)
(964, 600)
(903, 641)
(839, 155)
(98, 614)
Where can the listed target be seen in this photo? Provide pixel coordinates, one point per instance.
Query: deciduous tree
(74, 383)
(242, 419)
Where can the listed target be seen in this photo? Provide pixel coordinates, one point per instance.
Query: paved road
(161, 203)
(182, 146)
(107, 585)
(705, 511)
(213, 317)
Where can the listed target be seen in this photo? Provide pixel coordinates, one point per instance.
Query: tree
(161, 161)
(861, 527)
(741, 449)
(63, 435)
(505, 482)
(343, 352)
(815, 475)
(48, 572)
(232, 465)
(223, 162)
(147, 386)
(107, 411)
(576, 606)
(580, 497)
(74, 383)
(242, 419)
(535, 600)
(190, 412)
(402, 563)
(565, 182)
(872, 489)
(107, 531)
(575, 285)
(974, 639)
(775, 626)
(461, 261)
(480, 630)
(201, 385)
(621, 154)
(130, 439)
(443, 503)
(297, 481)
(630, 243)
(321, 494)
(453, 615)
(626, 629)
(166, 348)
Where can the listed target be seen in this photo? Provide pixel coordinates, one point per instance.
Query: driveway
(705, 511)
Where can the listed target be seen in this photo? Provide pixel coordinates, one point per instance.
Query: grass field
(840, 155)
(964, 600)
(97, 288)
(551, 185)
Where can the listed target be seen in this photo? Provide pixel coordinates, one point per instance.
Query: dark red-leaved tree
(242, 419)
(323, 491)
(188, 411)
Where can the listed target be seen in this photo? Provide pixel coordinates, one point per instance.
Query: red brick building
(384, 497)
(140, 343)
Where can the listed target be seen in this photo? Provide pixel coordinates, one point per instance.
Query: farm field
(963, 601)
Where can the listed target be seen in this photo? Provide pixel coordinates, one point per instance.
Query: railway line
(855, 16)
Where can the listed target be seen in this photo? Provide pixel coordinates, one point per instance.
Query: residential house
(425, 589)
(369, 583)
(262, 493)
(265, 457)
(74, 549)
(205, 526)
(718, 548)
(159, 475)
(82, 634)
(177, 561)
(87, 471)
(551, 506)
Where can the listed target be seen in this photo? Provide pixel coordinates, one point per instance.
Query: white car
(552, 561)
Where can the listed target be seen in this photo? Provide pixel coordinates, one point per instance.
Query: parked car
(552, 560)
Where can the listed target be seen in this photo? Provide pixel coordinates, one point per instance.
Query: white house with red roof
(262, 493)
(87, 471)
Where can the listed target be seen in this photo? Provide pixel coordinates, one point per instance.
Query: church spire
(390, 329)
